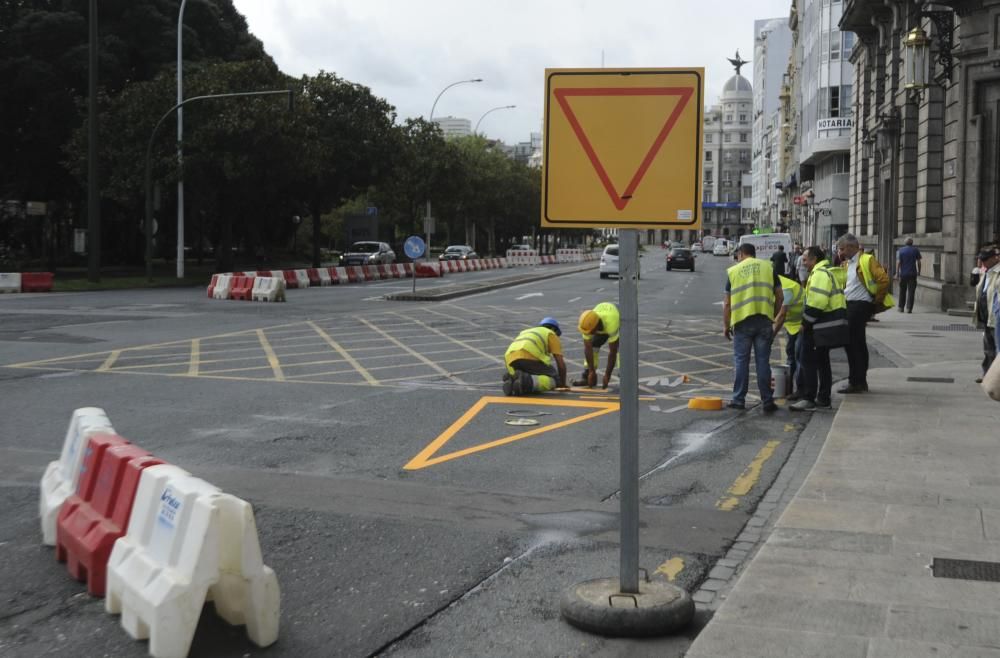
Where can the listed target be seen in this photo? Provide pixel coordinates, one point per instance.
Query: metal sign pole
(628, 302)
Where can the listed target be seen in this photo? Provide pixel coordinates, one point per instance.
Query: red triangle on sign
(621, 200)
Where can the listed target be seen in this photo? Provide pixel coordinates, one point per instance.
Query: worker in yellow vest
(866, 289)
(598, 326)
(824, 325)
(535, 361)
(790, 317)
(753, 299)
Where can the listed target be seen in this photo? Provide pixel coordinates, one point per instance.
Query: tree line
(253, 167)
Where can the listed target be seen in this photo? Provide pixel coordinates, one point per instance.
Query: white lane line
(575, 299)
(670, 411)
(530, 294)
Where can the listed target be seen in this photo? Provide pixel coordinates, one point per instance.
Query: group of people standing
(986, 312)
(821, 308)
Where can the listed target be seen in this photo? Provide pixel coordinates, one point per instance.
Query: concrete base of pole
(599, 606)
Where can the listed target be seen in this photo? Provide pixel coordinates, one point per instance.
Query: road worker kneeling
(598, 326)
(529, 360)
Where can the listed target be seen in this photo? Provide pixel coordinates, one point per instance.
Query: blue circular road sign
(414, 246)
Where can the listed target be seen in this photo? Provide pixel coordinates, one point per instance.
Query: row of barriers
(270, 285)
(26, 281)
(154, 540)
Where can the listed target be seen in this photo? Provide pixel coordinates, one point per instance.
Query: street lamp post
(148, 180)
(180, 136)
(427, 219)
(93, 193)
(475, 131)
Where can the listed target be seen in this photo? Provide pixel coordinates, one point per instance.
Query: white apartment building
(454, 126)
(772, 47)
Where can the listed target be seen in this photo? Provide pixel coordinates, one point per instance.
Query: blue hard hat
(552, 324)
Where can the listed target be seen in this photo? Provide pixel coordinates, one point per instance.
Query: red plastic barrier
(290, 280)
(429, 270)
(92, 519)
(313, 275)
(211, 286)
(334, 277)
(384, 271)
(370, 273)
(242, 288)
(408, 268)
(354, 274)
(264, 273)
(36, 281)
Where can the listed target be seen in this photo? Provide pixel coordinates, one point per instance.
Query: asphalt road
(401, 512)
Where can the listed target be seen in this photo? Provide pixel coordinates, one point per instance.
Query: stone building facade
(926, 163)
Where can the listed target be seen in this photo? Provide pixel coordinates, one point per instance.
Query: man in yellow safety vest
(790, 316)
(824, 325)
(600, 325)
(529, 360)
(866, 289)
(753, 299)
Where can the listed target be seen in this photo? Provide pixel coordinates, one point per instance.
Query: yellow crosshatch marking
(671, 568)
(429, 457)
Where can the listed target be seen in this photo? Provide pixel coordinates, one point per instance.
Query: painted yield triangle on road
(430, 456)
(620, 199)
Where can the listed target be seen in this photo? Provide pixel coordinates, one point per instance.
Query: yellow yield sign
(623, 148)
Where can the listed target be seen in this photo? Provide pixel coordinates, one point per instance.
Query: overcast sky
(407, 52)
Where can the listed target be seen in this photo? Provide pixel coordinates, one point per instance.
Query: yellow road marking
(671, 568)
(195, 358)
(418, 355)
(342, 352)
(789, 427)
(110, 361)
(492, 357)
(271, 357)
(744, 483)
(426, 456)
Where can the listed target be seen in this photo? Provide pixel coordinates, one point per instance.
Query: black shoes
(769, 407)
(854, 388)
(735, 405)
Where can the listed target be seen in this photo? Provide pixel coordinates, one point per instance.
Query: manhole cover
(932, 380)
(966, 569)
(521, 421)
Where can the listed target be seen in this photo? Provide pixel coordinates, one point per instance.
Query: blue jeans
(754, 332)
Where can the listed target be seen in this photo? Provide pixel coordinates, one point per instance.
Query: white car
(609, 261)
(721, 248)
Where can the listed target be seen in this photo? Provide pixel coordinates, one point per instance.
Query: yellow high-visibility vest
(751, 290)
(532, 343)
(795, 300)
(611, 321)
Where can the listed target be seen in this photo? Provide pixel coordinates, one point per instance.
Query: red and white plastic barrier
(158, 541)
(26, 282)
(268, 289)
(522, 257)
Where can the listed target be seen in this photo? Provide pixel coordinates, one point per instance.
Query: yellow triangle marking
(428, 456)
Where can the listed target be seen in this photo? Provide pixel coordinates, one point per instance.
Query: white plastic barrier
(222, 286)
(324, 277)
(302, 278)
(61, 477)
(10, 282)
(268, 289)
(188, 542)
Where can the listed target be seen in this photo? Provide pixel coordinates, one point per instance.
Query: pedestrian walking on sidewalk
(866, 289)
(907, 271)
(535, 361)
(753, 299)
(598, 326)
(824, 325)
(790, 316)
(779, 260)
(983, 313)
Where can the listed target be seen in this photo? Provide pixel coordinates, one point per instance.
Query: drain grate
(932, 380)
(954, 327)
(966, 569)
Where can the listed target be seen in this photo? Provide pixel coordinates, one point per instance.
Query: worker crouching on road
(530, 357)
(600, 325)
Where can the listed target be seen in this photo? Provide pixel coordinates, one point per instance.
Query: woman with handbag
(824, 325)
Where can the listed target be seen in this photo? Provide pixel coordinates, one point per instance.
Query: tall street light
(93, 194)
(180, 136)
(427, 219)
(475, 131)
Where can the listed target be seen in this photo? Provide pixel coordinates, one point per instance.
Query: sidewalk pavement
(909, 474)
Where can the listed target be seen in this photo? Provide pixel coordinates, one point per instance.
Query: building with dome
(726, 186)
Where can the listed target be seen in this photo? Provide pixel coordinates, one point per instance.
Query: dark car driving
(458, 252)
(681, 259)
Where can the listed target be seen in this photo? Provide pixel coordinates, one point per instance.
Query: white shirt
(856, 291)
